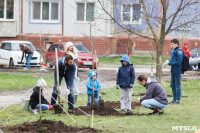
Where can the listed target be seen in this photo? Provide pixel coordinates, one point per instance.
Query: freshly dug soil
(116, 104)
(46, 127)
(142, 94)
(106, 110)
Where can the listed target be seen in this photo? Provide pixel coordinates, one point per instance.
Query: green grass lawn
(135, 60)
(17, 81)
(185, 114)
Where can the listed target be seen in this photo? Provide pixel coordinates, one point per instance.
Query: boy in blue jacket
(125, 80)
(97, 88)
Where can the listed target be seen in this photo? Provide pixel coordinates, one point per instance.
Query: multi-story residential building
(46, 21)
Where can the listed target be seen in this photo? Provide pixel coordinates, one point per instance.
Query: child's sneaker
(128, 111)
(122, 110)
(35, 111)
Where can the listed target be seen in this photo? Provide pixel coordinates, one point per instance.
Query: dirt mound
(107, 110)
(46, 127)
(116, 104)
(142, 94)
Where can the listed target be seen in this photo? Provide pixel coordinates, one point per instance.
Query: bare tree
(159, 18)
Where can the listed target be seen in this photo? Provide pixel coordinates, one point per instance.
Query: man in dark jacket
(28, 54)
(125, 80)
(176, 71)
(67, 70)
(155, 98)
(34, 101)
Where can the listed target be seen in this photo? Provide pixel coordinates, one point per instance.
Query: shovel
(101, 101)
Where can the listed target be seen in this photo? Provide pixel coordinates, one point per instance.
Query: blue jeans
(176, 86)
(43, 107)
(152, 102)
(95, 99)
(28, 59)
(54, 94)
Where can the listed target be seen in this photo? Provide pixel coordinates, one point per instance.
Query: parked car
(10, 54)
(84, 59)
(195, 59)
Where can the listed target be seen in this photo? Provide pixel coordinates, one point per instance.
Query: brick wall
(144, 46)
(103, 45)
(100, 44)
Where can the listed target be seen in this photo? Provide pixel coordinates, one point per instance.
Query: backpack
(185, 63)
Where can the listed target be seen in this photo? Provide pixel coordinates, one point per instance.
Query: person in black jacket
(34, 101)
(155, 97)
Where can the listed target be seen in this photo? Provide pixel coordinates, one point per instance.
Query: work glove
(166, 62)
(131, 85)
(117, 86)
(50, 107)
(67, 92)
(96, 90)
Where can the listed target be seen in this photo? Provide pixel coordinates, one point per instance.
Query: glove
(50, 107)
(166, 62)
(117, 86)
(131, 85)
(96, 90)
(67, 92)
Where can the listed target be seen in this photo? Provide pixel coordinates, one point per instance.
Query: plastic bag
(76, 86)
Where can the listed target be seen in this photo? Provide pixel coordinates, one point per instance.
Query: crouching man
(155, 97)
(34, 99)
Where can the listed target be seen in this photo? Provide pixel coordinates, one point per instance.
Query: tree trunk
(159, 45)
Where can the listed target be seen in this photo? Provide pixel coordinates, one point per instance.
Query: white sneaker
(35, 111)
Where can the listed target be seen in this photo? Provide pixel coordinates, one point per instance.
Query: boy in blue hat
(92, 76)
(125, 80)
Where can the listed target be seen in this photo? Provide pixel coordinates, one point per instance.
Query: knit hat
(41, 83)
(68, 44)
(185, 44)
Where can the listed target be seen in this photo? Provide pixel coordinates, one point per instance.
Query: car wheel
(48, 64)
(11, 63)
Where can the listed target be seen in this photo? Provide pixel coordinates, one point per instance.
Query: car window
(52, 48)
(61, 48)
(81, 49)
(15, 46)
(6, 46)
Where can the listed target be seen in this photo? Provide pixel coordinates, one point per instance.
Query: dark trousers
(55, 91)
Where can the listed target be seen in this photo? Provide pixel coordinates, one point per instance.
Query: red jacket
(186, 52)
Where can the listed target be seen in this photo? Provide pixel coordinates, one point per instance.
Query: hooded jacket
(155, 91)
(176, 61)
(34, 99)
(66, 71)
(126, 74)
(89, 84)
(186, 52)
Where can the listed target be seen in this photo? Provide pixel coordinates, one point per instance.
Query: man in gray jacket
(155, 97)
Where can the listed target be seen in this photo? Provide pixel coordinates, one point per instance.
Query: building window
(45, 11)
(131, 13)
(6, 9)
(85, 11)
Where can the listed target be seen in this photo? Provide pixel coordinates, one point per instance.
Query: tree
(158, 19)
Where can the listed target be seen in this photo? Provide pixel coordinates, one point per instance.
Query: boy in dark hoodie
(34, 99)
(125, 80)
(155, 97)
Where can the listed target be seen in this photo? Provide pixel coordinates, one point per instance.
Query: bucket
(25, 105)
